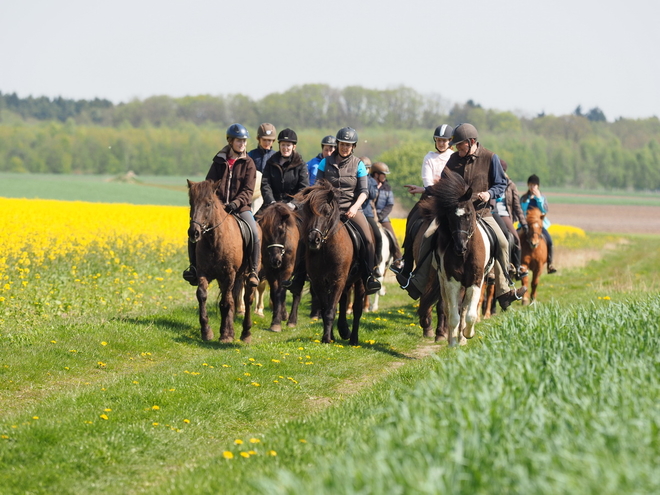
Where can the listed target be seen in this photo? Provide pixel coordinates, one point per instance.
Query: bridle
(281, 246)
(205, 228)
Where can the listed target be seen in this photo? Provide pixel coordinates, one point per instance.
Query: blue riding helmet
(237, 131)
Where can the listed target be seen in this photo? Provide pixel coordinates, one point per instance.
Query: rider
(266, 138)
(368, 210)
(432, 166)
(236, 172)
(328, 145)
(533, 199)
(482, 170)
(384, 200)
(285, 173)
(348, 174)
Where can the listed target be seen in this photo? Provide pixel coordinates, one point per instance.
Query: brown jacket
(237, 183)
(512, 201)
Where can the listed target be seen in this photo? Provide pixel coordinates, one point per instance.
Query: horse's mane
(273, 216)
(317, 199)
(202, 189)
(445, 194)
(534, 215)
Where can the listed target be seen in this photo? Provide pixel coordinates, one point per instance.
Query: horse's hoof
(468, 335)
(247, 340)
(440, 338)
(292, 324)
(240, 313)
(206, 336)
(226, 340)
(275, 328)
(463, 341)
(259, 313)
(525, 301)
(428, 333)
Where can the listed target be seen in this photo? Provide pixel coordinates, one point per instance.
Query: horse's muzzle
(194, 234)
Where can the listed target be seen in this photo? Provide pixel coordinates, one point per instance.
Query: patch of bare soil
(610, 219)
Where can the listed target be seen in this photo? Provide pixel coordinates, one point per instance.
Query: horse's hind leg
(342, 322)
(278, 296)
(227, 310)
(259, 306)
(246, 334)
(358, 307)
(293, 316)
(471, 310)
(202, 294)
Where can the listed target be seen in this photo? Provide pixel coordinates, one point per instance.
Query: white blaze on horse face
(460, 212)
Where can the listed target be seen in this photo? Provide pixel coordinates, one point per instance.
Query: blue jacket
(312, 168)
(367, 206)
(384, 201)
(260, 156)
(528, 201)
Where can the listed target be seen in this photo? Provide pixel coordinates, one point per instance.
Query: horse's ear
(190, 183)
(466, 196)
(215, 185)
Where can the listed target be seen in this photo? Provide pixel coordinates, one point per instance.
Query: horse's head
(320, 212)
(204, 208)
(462, 223)
(278, 225)
(535, 223)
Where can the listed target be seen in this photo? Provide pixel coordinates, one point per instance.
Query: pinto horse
(534, 251)
(279, 245)
(462, 253)
(219, 256)
(331, 262)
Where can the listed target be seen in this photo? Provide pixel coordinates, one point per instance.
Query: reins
(205, 229)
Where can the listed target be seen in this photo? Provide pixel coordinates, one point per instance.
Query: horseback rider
(482, 171)
(328, 145)
(236, 172)
(384, 201)
(432, 166)
(285, 173)
(369, 214)
(534, 199)
(348, 174)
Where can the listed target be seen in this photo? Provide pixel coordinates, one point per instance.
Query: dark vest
(475, 169)
(342, 174)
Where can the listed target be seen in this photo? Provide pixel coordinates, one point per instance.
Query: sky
(526, 56)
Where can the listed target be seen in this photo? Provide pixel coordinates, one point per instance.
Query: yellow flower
(302, 440)
(254, 440)
(275, 360)
(255, 384)
(35, 417)
(245, 454)
(186, 421)
(252, 452)
(272, 453)
(155, 424)
(103, 416)
(227, 455)
(155, 408)
(104, 343)
(53, 341)
(238, 441)
(4, 437)
(107, 409)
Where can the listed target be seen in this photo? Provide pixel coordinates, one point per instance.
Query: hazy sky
(522, 56)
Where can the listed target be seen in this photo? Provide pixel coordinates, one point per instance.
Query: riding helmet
(287, 135)
(380, 167)
(237, 131)
(329, 141)
(463, 132)
(443, 131)
(347, 135)
(266, 131)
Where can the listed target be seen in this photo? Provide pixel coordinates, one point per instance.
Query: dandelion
(104, 416)
(53, 341)
(238, 441)
(35, 417)
(107, 409)
(101, 364)
(187, 421)
(255, 440)
(302, 440)
(226, 366)
(104, 343)
(135, 382)
(251, 359)
(272, 453)
(155, 408)
(227, 455)
(4, 437)
(252, 452)
(73, 350)
(246, 374)
(255, 384)
(245, 454)
(275, 360)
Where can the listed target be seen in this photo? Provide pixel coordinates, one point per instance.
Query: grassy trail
(139, 404)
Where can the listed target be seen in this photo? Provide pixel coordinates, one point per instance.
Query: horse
(534, 251)
(462, 253)
(279, 245)
(219, 256)
(330, 258)
(387, 257)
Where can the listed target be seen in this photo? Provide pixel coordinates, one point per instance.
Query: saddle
(492, 240)
(246, 233)
(356, 239)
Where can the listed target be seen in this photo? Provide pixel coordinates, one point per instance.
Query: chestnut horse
(534, 251)
(219, 256)
(462, 253)
(280, 236)
(331, 263)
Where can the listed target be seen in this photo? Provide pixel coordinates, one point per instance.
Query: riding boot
(371, 282)
(253, 277)
(190, 273)
(551, 268)
(515, 259)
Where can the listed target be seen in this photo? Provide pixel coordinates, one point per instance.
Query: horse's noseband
(281, 246)
(324, 236)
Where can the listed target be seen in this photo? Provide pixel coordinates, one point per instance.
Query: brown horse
(279, 245)
(331, 263)
(462, 253)
(219, 256)
(534, 251)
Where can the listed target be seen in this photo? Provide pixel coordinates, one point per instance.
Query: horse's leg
(202, 294)
(365, 303)
(524, 281)
(357, 310)
(227, 309)
(278, 294)
(342, 322)
(240, 307)
(441, 327)
(471, 311)
(246, 334)
(259, 307)
(452, 298)
(425, 313)
(293, 316)
(349, 309)
(328, 315)
(535, 281)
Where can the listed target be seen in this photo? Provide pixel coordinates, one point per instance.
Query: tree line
(178, 136)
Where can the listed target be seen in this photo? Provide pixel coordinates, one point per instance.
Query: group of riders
(249, 182)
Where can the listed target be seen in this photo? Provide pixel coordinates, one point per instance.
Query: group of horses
(317, 233)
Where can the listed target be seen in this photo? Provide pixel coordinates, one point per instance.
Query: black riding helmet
(463, 132)
(443, 131)
(329, 141)
(287, 135)
(347, 135)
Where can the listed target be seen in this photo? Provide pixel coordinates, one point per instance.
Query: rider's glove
(231, 207)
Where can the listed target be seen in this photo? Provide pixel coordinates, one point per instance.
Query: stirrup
(251, 279)
(190, 275)
(372, 285)
(397, 266)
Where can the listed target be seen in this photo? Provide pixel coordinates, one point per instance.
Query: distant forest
(162, 135)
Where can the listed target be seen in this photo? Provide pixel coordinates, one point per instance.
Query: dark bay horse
(534, 251)
(462, 253)
(280, 237)
(330, 260)
(219, 256)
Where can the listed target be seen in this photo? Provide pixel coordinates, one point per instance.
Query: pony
(280, 237)
(387, 257)
(534, 251)
(330, 259)
(219, 256)
(462, 254)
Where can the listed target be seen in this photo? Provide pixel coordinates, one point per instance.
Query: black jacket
(282, 182)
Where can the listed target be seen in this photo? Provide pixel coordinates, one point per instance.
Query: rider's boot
(507, 298)
(253, 276)
(190, 273)
(551, 268)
